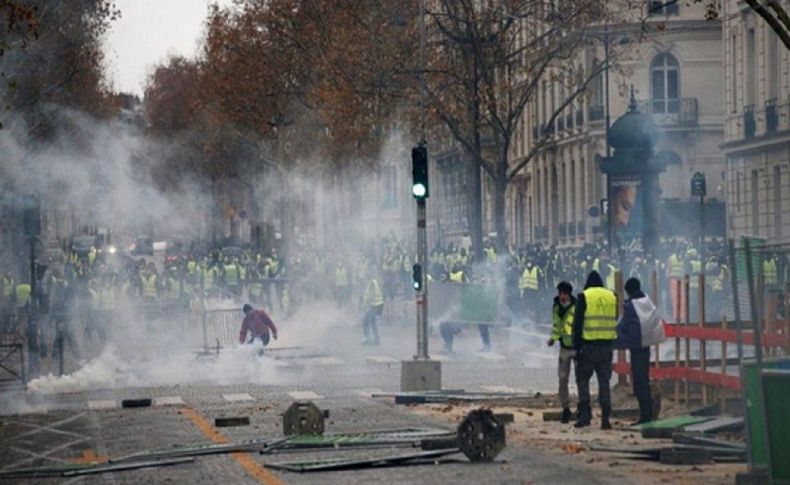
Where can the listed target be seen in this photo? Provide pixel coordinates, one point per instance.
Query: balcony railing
(595, 113)
(749, 123)
(680, 112)
(771, 116)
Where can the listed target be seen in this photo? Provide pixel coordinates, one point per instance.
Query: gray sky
(147, 33)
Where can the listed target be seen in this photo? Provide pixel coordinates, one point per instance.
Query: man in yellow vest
(562, 313)
(770, 272)
(373, 303)
(594, 333)
(529, 286)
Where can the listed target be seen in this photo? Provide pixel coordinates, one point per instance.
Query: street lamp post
(421, 373)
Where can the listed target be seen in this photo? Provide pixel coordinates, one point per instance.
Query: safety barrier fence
(689, 346)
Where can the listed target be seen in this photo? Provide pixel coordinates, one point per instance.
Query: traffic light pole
(422, 292)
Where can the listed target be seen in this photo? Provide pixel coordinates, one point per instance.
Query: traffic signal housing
(416, 275)
(419, 172)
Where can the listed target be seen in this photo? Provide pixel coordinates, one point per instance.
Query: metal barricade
(221, 327)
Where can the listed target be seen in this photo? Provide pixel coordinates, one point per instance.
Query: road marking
(301, 395)
(490, 356)
(242, 396)
(90, 457)
(506, 389)
(381, 359)
(98, 404)
(255, 469)
(440, 357)
(368, 392)
(168, 401)
(325, 361)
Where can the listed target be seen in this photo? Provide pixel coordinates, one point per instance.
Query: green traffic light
(418, 190)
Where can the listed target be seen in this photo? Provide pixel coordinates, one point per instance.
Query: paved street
(79, 418)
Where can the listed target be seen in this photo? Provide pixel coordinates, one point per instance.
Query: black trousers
(640, 373)
(595, 358)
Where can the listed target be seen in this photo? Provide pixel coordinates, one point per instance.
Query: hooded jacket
(594, 280)
(640, 325)
(558, 313)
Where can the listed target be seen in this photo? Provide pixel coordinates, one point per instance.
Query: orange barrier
(706, 334)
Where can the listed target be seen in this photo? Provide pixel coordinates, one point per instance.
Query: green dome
(633, 130)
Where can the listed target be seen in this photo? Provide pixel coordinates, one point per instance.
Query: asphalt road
(80, 418)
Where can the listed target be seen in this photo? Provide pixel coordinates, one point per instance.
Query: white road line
(98, 404)
(325, 361)
(440, 357)
(368, 392)
(490, 356)
(301, 395)
(243, 396)
(507, 389)
(168, 401)
(381, 359)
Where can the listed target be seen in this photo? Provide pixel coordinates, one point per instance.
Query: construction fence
(703, 354)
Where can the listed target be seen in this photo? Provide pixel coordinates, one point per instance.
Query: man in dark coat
(639, 328)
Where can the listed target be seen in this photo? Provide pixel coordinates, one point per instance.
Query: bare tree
(487, 66)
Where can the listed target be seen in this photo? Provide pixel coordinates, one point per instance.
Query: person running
(258, 324)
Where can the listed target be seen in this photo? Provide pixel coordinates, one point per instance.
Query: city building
(673, 61)
(757, 127)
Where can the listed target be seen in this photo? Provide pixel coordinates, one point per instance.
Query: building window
(751, 68)
(659, 8)
(389, 188)
(755, 189)
(665, 84)
(773, 78)
(734, 74)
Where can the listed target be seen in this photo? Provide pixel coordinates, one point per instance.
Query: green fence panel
(750, 379)
(776, 392)
(479, 303)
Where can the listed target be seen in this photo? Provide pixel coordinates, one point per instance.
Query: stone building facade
(676, 72)
(757, 126)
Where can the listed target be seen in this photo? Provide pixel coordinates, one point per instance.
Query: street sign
(698, 184)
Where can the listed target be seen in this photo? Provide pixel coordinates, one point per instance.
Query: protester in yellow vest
(562, 314)
(594, 333)
(373, 303)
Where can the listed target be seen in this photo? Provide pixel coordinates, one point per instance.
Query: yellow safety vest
(600, 315)
(8, 287)
(769, 272)
(610, 276)
(23, 292)
(231, 274)
(696, 268)
(341, 276)
(373, 295)
(208, 278)
(191, 267)
(457, 277)
(529, 279)
(490, 254)
(562, 328)
(149, 286)
(676, 267)
(173, 289)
